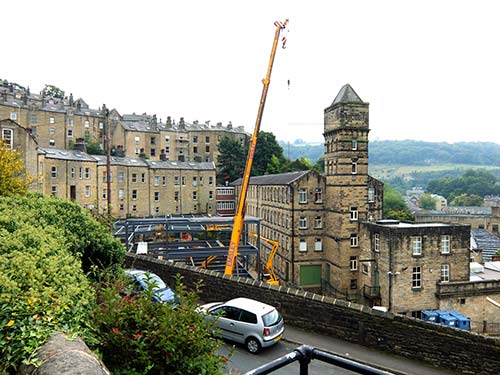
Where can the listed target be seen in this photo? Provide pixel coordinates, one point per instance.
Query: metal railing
(305, 353)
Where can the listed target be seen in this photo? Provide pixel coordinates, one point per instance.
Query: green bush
(139, 336)
(86, 238)
(43, 289)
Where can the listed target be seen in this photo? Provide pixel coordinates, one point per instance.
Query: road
(241, 361)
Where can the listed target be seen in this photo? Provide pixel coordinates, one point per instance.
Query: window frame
(445, 245)
(445, 273)
(416, 277)
(416, 246)
(302, 196)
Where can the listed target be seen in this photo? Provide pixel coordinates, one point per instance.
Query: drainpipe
(390, 272)
(292, 194)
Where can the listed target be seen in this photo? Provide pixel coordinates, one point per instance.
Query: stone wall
(461, 351)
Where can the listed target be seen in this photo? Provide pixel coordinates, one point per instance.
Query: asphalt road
(241, 361)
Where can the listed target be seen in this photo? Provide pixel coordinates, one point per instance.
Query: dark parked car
(162, 293)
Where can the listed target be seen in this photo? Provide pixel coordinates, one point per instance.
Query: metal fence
(305, 353)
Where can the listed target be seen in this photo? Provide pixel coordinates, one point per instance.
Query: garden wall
(458, 350)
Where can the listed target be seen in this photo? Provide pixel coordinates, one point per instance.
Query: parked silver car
(246, 321)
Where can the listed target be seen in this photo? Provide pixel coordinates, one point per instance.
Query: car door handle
(231, 324)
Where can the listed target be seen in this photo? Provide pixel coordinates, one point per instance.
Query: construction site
(226, 244)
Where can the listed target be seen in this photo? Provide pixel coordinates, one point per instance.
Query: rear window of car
(271, 318)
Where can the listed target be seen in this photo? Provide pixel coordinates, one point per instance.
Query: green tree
(94, 148)
(13, 178)
(274, 166)
(394, 205)
(472, 182)
(52, 91)
(301, 164)
(267, 146)
(231, 161)
(319, 166)
(427, 202)
(466, 200)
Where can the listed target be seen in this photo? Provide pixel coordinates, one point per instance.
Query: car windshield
(152, 279)
(271, 318)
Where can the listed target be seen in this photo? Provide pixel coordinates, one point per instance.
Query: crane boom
(240, 213)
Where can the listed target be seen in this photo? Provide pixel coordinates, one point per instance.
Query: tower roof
(347, 95)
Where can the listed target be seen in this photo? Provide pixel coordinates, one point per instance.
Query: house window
(354, 240)
(7, 137)
(207, 139)
(157, 210)
(52, 120)
(318, 222)
(143, 177)
(53, 172)
(134, 177)
(176, 196)
(371, 194)
(104, 176)
(354, 167)
(354, 284)
(52, 130)
(122, 207)
(445, 273)
(318, 195)
(302, 196)
(302, 244)
(87, 173)
(195, 181)
(377, 242)
(183, 180)
(13, 116)
(303, 222)
(137, 140)
(416, 245)
(157, 196)
(137, 151)
(73, 172)
(87, 191)
(195, 195)
(445, 244)
(195, 139)
(318, 245)
(153, 152)
(101, 125)
(70, 133)
(210, 195)
(80, 173)
(35, 119)
(167, 139)
(70, 121)
(134, 207)
(121, 194)
(157, 180)
(416, 278)
(54, 190)
(210, 180)
(153, 140)
(195, 149)
(195, 207)
(52, 142)
(134, 194)
(121, 176)
(164, 180)
(207, 148)
(104, 194)
(364, 268)
(353, 263)
(354, 214)
(176, 180)
(354, 144)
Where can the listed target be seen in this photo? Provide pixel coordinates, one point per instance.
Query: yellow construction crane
(273, 279)
(240, 213)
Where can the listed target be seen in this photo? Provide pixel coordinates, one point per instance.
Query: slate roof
(55, 153)
(139, 126)
(489, 243)
(347, 95)
(116, 160)
(273, 179)
(170, 164)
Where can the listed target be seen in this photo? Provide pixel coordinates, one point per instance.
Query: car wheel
(253, 345)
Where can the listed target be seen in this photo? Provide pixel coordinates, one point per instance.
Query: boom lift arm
(273, 279)
(240, 213)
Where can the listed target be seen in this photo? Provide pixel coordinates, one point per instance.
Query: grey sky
(429, 69)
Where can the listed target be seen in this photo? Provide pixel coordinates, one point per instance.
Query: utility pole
(108, 157)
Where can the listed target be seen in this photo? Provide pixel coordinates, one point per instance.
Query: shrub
(86, 238)
(139, 336)
(43, 289)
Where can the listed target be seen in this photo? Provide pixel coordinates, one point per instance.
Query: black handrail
(305, 353)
